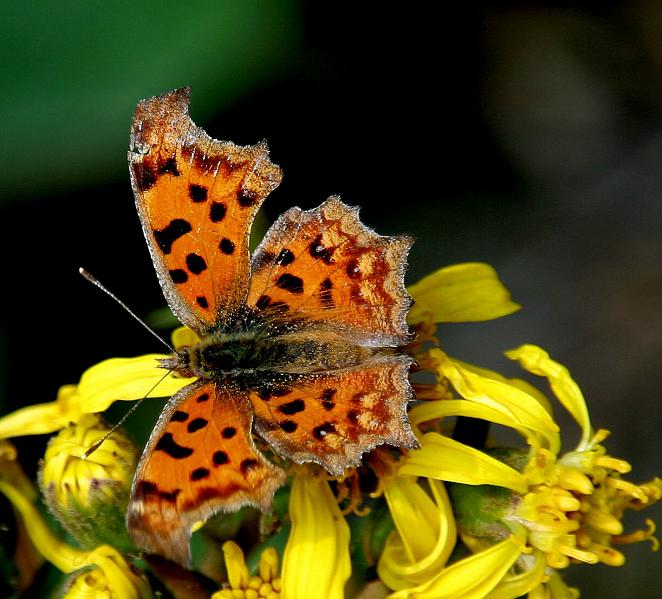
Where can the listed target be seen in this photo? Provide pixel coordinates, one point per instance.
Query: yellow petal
(121, 580)
(515, 382)
(183, 337)
(460, 293)
(537, 361)
(425, 533)
(445, 459)
(317, 552)
(12, 473)
(62, 556)
(558, 589)
(502, 396)
(431, 410)
(40, 419)
(518, 585)
(126, 379)
(470, 578)
(235, 564)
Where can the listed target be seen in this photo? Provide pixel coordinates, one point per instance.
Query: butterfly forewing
(200, 459)
(197, 198)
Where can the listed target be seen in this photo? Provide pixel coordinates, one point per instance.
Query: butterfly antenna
(123, 419)
(92, 279)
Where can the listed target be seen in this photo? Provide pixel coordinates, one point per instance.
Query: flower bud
(89, 495)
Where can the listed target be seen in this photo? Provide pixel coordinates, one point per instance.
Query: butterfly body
(298, 342)
(249, 357)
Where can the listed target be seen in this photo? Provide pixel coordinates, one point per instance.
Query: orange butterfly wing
(333, 417)
(196, 198)
(326, 265)
(200, 459)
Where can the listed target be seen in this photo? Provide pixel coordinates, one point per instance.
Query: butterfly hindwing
(200, 459)
(324, 264)
(196, 198)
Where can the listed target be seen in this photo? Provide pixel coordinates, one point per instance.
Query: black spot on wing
(289, 426)
(279, 307)
(248, 464)
(143, 175)
(292, 407)
(228, 432)
(200, 473)
(201, 300)
(178, 276)
(202, 398)
(326, 298)
(220, 457)
(197, 193)
(169, 167)
(196, 264)
(179, 416)
(226, 246)
(217, 212)
(319, 252)
(263, 302)
(353, 270)
(290, 283)
(168, 235)
(246, 198)
(321, 431)
(145, 487)
(196, 424)
(327, 399)
(169, 496)
(168, 445)
(285, 257)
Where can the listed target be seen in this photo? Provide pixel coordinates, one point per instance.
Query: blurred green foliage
(72, 73)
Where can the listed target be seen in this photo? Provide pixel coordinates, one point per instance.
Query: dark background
(523, 134)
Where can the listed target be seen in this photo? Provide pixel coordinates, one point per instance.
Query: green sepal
(480, 509)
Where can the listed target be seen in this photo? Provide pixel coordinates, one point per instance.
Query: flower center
(574, 506)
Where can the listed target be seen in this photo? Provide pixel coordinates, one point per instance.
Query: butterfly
(297, 342)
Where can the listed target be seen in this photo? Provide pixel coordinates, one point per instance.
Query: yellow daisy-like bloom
(266, 584)
(103, 564)
(317, 556)
(556, 509)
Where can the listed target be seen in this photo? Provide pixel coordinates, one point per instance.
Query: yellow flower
(265, 584)
(121, 582)
(542, 508)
